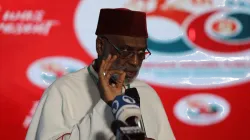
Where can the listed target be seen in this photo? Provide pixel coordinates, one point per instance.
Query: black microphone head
(133, 93)
(113, 79)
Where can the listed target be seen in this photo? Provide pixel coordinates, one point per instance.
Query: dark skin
(109, 60)
(104, 48)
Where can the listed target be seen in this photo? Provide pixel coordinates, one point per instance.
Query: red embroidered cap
(122, 21)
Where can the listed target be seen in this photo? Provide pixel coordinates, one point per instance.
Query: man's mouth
(131, 74)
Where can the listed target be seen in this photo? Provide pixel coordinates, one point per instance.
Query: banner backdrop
(200, 62)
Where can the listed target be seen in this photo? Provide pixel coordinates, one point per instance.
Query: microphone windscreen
(124, 107)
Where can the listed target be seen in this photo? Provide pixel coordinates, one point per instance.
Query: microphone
(128, 125)
(113, 79)
(124, 132)
(125, 107)
(133, 93)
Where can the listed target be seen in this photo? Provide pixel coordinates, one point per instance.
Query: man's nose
(134, 60)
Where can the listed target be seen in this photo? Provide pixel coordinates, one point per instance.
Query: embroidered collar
(93, 73)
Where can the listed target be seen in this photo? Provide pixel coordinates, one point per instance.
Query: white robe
(71, 109)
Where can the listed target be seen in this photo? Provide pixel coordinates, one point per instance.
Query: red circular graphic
(202, 40)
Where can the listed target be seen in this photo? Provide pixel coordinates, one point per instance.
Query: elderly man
(76, 106)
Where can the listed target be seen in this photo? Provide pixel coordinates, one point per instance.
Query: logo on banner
(199, 47)
(196, 45)
(228, 30)
(202, 109)
(45, 71)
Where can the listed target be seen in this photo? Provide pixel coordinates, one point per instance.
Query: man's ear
(99, 46)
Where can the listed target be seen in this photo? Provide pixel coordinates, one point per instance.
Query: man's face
(131, 53)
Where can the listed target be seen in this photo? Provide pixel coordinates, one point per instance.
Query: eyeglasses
(124, 53)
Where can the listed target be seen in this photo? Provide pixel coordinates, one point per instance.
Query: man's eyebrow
(132, 48)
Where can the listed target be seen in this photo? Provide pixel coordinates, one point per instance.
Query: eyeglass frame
(120, 51)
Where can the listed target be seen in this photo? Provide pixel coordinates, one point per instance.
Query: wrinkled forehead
(137, 42)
